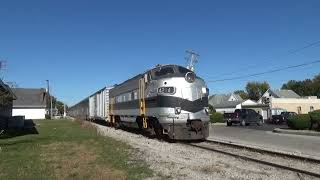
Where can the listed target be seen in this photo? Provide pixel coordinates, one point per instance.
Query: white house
(288, 100)
(30, 103)
(225, 103)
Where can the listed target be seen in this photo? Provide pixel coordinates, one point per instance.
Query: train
(169, 100)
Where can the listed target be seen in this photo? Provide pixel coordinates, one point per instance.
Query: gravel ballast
(179, 161)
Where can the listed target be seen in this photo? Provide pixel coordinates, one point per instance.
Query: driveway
(264, 137)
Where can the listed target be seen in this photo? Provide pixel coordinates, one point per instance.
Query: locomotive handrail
(142, 102)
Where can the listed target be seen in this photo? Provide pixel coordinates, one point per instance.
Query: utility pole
(48, 89)
(3, 65)
(192, 59)
(64, 110)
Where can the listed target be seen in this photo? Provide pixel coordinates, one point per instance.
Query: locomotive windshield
(183, 70)
(164, 71)
(169, 71)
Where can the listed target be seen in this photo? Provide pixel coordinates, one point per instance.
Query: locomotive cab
(179, 99)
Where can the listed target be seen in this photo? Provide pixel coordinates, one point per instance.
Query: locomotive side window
(135, 94)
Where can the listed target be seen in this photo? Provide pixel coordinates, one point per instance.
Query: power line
(267, 59)
(265, 72)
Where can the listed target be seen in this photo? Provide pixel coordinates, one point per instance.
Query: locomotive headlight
(206, 110)
(190, 77)
(166, 90)
(177, 110)
(204, 90)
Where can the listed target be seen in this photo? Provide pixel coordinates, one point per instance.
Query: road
(264, 137)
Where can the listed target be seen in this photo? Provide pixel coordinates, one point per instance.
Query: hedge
(216, 117)
(299, 122)
(315, 118)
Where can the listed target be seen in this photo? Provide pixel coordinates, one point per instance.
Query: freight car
(80, 110)
(99, 104)
(170, 100)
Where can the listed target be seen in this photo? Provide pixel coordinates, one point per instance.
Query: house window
(311, 108)
(299, 110)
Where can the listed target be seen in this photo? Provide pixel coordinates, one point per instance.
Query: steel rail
(304, 158)
(257, 160)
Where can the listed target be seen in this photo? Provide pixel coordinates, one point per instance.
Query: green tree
(242, 94)
(305, 87)
(256, 89)
(60, 107)
(211, 109)
(57, 104)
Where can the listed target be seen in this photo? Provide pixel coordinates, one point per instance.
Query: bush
(315, 118)
(211, 109)
(216, 117)
(299, 122)
(47, 116)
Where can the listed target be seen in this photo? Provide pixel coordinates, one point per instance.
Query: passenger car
(245, 117)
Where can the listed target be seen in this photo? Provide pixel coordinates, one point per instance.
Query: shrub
(315, 118)
(211, 109)
(299, 122)
(216, 117)
(47, 116)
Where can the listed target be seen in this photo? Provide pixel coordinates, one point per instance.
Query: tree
(57, 104)
(316, 86)
(242, 94)
(306, 87)
(211, 109)
(60, 107)
(256, 89)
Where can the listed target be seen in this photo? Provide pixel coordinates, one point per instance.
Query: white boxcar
(99, 104)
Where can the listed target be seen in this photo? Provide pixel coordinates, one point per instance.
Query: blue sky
(81, 46)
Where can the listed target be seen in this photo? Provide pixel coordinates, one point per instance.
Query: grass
(64, 149)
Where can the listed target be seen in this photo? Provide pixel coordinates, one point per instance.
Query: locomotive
(170, 100)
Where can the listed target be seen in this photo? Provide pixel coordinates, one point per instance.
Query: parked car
(287, 115)
(275, 119)
(227, 116)
(245, 117)
(282, 118)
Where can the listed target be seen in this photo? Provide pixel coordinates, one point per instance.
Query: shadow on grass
(29, 128)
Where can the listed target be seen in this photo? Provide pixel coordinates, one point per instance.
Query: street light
(48, 87)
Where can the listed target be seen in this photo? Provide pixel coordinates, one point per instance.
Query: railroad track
(250, 154)
(265, 151)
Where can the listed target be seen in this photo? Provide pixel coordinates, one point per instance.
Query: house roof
(218, 98)
(283, 93)
(27, 97)
(227, 104)
(237, 96)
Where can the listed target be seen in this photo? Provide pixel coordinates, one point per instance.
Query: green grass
(64, 149)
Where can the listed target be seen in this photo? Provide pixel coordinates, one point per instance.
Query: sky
(82, 46)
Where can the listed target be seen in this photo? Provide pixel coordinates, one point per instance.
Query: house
(225, 103)
(288, 100)
(231, 106)
(217, 99)
(230, 102)
(31, 103)
(227, 106)
(6, 100)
